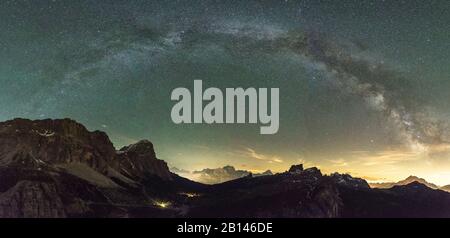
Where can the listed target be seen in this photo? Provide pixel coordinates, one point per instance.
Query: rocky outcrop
(349, 181)
(32, 199)
(46, 192)
(296, 169)
(139, 160)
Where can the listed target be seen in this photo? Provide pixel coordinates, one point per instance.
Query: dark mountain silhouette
(57, 168)
(406, 181)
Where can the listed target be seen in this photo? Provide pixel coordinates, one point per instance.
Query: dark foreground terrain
(57, 168)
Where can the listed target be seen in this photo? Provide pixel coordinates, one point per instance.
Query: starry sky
(364, 85)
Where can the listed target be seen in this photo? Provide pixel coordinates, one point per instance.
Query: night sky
(364, 85)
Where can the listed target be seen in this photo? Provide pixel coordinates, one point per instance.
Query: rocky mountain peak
(142, 148)
(139, 160)
(296, 168)
(349, 181)
(51, 142)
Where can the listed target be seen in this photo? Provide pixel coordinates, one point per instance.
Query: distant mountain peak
(413, 178)
(410, 179)
(219, 175)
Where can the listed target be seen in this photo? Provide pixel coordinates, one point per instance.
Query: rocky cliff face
(57, 168)
(46, 192)
(52, 142)
(32, 199)
(139, 160)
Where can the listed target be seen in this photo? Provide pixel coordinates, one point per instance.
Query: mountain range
(409, 180)
(217, 175)
(57, 168)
